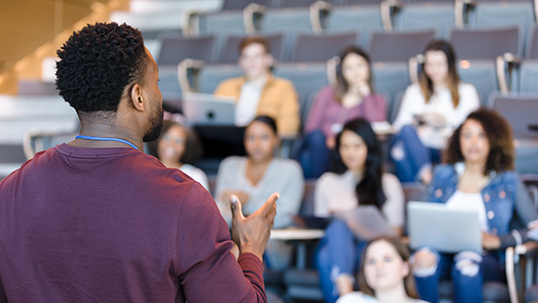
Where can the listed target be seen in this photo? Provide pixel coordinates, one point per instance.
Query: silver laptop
(366, 222)
(208, 109)
(443, 229)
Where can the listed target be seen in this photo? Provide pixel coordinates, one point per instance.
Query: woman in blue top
(478, 176)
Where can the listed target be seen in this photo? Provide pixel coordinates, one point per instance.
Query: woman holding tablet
(357, 179)
(478, 176)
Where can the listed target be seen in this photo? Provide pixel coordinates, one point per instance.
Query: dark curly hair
(369, 190)
(499, 133)
(97, 63)
(193, 148)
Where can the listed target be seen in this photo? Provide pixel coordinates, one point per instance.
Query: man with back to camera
(97, 220)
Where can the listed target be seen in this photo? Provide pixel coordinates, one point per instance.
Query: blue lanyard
(106, 139)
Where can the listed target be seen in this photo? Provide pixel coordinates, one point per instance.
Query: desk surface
(296, 234)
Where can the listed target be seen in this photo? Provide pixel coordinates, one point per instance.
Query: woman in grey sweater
(252, 177)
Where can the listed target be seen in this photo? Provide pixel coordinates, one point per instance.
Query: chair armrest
(316, 10)
(529, 249)
(182, 73)
(249, 15)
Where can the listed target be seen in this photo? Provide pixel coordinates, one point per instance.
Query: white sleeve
(469, 101)
(394, 206)
(406, 112)
(291, 195)
(321, 201)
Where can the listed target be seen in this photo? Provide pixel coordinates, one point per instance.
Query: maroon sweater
(115, 225)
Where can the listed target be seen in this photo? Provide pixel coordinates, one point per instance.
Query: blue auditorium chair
(362, 18)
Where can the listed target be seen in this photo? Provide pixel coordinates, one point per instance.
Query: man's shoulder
(282, 83)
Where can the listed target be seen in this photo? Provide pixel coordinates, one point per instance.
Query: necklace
(105, 139)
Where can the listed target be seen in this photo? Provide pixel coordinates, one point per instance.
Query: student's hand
(252, 233)
(433, 119)
(227, 194)
(362, 88)
(330, 142)
(490, 242)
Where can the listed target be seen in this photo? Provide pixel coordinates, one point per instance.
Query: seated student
(357, 179)
(478, 176)
(438, 103)
(178, 147)
(258, 92)
(251, 178)
(385, 274)
(353, 97)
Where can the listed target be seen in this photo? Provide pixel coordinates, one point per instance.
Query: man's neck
(259, 79)
(108, 130)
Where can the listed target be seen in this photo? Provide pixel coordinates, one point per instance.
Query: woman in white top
(177, 147)
(435, 106)
(385, 274)
(258, 175)
(357, 179)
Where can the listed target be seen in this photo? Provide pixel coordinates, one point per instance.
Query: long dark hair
(426, 84)
(403, 252)
(341, 84)
(369, 190)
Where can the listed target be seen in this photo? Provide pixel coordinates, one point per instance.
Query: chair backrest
(168, 79)
(398, 46)
(528, 76)
(531, 51)
(395, 107)
(306, 78)
(488, 43)
(520, 111)
(390, 78)
(241, 4)
(210, 76)
(300, 3)
(230, 51)
(175, 49)
(415, 16)
(503, 13)
(480, 73)
(362, 2)
(533, 194)
(307, 207)
(288, 21)
(364, 19)
(320, 48)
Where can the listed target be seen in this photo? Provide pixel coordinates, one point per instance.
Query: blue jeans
(467, 276)
(314, 155)
(339, 253)
(409, 155)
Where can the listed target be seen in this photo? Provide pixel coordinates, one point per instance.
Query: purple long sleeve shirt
(328, 111)
(115, 225)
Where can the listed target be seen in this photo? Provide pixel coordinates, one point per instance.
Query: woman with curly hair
(178, 147)
(478, 175)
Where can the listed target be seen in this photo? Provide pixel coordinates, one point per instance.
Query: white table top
(296, 234)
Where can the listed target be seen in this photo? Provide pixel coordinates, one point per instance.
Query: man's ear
(136, 98)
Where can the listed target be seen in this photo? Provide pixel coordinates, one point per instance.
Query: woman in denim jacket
(479, 176)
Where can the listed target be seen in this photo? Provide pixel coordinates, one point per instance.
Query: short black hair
(97, 63)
